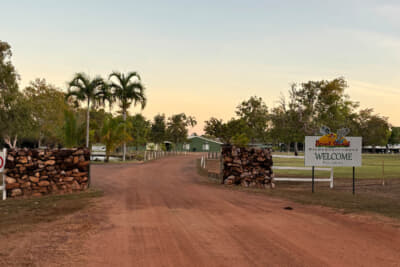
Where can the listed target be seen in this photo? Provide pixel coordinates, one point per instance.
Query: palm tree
(128, 90)
(114, 133)
(106, 96)
(85, 89)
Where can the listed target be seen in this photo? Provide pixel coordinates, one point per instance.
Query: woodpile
(37, 172)
(248, 167)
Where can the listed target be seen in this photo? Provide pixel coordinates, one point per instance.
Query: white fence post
(203, 162)
(331, 178)
(4, 186)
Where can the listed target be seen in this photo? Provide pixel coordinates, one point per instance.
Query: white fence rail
(203, 163)
(307, 179)
(209, 156)
(152, 155)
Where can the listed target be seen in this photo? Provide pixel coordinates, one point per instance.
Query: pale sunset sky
(204, 57)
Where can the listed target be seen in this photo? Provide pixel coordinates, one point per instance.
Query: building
(201, 144)
(382, 149)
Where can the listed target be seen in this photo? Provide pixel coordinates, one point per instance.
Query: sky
(205, 57)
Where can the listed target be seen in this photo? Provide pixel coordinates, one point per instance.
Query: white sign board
(328, 151)
(3, 158)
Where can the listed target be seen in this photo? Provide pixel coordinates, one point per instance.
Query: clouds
(390, 12)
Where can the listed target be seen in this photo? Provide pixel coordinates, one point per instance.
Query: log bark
(35, 171)
(248, 167)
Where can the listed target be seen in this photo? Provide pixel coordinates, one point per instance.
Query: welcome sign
(332, 150)
(3, 156)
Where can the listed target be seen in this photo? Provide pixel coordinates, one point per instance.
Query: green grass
(371, 167)
(386, 204)
(21, 214)
(370, 197)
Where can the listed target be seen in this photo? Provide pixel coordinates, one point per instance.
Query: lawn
(374, 166)
(371, 196)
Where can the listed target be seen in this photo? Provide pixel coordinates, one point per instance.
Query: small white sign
(3, 158)
(330, 151)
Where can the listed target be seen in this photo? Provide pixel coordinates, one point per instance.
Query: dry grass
(22, 214)
(371, 196)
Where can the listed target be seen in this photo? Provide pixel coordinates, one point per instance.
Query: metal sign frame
(333, 150)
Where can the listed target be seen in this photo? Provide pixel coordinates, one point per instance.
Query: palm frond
(132, 75)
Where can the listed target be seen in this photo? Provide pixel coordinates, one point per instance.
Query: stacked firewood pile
(249, 167)
(38, 172)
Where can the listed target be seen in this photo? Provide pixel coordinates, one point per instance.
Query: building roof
(205, 139)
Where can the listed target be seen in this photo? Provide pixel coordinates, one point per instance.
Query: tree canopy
(42, 114)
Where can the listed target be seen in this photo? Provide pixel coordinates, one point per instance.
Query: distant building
(201, 144)
(382, 149)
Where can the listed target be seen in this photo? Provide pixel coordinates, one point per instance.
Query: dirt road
(160, 214)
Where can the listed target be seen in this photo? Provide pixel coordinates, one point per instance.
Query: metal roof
(206, 139)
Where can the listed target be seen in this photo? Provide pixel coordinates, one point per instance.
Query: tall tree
(321, 103)
(216, 128)
(395, 136)
(255, 113)
(88, 90)
(8, 74)
(10, 98)
(285, 121)
(127, 89)
(177, 127)
(48, 107)
(140, 130)
(106, 96)
(17, 121)
(158, 129)
(235, 131)
(97, 118)
(374, 129)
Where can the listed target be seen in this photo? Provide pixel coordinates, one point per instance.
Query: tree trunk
(12, 144)
(87, 123)
(124, 146)
(296, 149)
(40, 139)
(288, 147)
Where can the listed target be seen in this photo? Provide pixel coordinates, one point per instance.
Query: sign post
(3, 158)
(313, 179)
(354, 180)
(333, 150)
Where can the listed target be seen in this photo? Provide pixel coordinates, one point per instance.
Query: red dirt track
(160, 214)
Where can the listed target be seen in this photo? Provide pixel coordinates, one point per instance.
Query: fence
(3, 158)
(294, 179)
(152, 155)
(140, 155)
(216, 155)
(209, 156)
